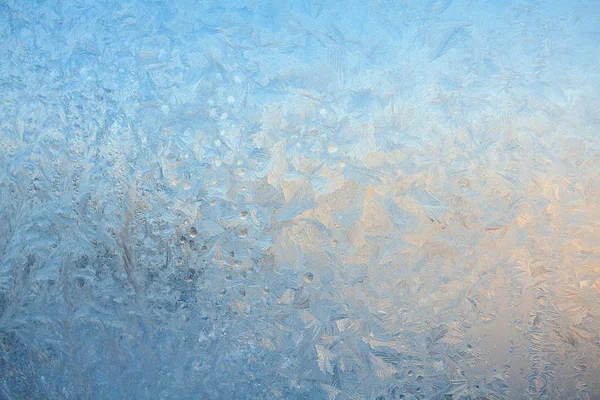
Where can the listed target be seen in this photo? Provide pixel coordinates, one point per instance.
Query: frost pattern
(302, 199)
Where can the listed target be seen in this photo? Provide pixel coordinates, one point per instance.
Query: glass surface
(299, 199)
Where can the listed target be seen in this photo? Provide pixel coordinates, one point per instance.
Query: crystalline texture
(351, 200)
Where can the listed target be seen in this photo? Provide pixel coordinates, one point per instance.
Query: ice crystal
(351, 200)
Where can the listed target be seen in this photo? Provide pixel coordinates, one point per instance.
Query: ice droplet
(308, 277)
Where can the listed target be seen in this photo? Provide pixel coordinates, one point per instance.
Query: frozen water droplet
(190, 275)
(231, 100)
(243, 214)
(308, 277)
(218, 161)
(187, 185)
(332, 149)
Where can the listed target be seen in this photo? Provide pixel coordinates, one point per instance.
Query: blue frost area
(299, 199)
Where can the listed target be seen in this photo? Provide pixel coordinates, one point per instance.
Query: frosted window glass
(299, 199)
